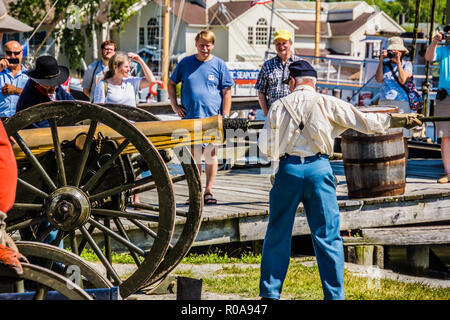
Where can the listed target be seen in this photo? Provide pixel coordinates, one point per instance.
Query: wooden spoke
(147, 230)
(27, 206)
(117, 237)
(61, 171)
(124, 234)
(25, 224)
(124, 214)
(154, 208)
(119, 189)
(45, 233)
(32, 188)
(153, 186)
(59, 237)
(73, 243)
(86, 151)
(100, 255)
(34, 161)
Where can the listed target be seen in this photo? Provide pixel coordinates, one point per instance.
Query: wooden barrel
(374, 164)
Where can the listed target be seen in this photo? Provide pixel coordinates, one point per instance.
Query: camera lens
(390, 54)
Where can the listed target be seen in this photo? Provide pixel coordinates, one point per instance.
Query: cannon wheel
(55, 186)
(48, 253)
(45, 277)
(192, 218)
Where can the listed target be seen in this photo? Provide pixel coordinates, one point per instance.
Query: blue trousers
(312, 183)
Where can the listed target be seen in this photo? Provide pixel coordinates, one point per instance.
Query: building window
(250, 35)
(261, 31)
(153, 32)
(141, 36)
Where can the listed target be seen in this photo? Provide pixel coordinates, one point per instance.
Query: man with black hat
(44, 85)
(299, 130)
(442, 108)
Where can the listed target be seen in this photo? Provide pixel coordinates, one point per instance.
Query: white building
(242, 31)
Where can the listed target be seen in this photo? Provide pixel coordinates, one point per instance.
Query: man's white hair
(305, 78)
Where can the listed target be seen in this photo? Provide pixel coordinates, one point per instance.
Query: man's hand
(4, 63)
(10, 89)
(179, 110)
(406, 120)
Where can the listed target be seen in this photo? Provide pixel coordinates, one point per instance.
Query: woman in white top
(117, 86)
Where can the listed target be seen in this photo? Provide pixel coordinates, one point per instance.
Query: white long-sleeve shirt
(329, 118)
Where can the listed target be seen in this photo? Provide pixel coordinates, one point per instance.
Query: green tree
(396, 7)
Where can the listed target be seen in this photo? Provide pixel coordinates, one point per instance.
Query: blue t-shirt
(202, 85)
(443, 57)
(391, 90)
(8, 102)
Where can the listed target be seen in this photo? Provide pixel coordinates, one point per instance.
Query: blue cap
(301, 68)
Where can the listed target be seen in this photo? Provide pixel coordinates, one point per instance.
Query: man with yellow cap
(269, 84)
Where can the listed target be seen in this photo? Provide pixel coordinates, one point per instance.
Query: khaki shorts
(442, 109)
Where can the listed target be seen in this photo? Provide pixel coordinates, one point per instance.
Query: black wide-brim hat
(48, 73)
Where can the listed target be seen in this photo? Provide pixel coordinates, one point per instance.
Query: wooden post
(379, 257)
(317, 34)
(364, 255)
(166, 28)
(418, 257)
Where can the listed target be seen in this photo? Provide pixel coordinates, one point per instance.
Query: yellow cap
(282, 34)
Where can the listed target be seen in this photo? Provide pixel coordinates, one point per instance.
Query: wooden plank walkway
(242, 210)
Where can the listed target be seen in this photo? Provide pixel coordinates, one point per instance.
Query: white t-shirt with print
(125, 93)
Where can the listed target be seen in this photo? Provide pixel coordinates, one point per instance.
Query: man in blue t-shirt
(442, 107)
(205, 92)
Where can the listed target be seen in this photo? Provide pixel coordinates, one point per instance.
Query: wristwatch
(225, 116)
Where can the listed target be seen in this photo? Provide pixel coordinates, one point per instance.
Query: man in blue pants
(299, 131)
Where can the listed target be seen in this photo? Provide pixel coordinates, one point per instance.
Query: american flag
(255, 2)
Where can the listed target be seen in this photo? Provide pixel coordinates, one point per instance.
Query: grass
(218, 257)
(302, 281)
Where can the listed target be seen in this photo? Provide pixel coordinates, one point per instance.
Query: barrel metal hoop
(374, 160)
(381, 138)
(379, 191)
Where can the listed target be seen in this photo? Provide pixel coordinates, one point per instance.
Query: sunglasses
(10, 53)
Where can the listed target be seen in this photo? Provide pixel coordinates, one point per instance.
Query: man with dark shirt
(44, 85)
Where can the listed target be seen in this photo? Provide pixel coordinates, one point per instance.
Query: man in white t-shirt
(97, 69)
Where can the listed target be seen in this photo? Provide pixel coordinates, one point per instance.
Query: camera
(390, 54)
(11, 60)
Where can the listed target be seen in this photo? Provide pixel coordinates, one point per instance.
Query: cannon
(97, 172)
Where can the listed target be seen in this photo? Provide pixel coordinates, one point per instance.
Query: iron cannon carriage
(102, 176)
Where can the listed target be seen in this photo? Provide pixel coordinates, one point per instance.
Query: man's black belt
(309, 159)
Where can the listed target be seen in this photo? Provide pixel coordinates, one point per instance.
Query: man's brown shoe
(444, 179)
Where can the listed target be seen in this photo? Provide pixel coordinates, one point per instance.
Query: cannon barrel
(162, 134)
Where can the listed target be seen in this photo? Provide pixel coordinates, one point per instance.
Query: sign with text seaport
(245, 81)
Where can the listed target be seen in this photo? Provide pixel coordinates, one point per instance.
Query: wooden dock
(241, 213)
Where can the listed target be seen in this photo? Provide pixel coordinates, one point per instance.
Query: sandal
(210, 199)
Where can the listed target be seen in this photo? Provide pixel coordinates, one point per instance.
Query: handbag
(415, 99)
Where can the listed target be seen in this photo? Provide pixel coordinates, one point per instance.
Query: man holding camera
(12, 78)
(442, 107)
